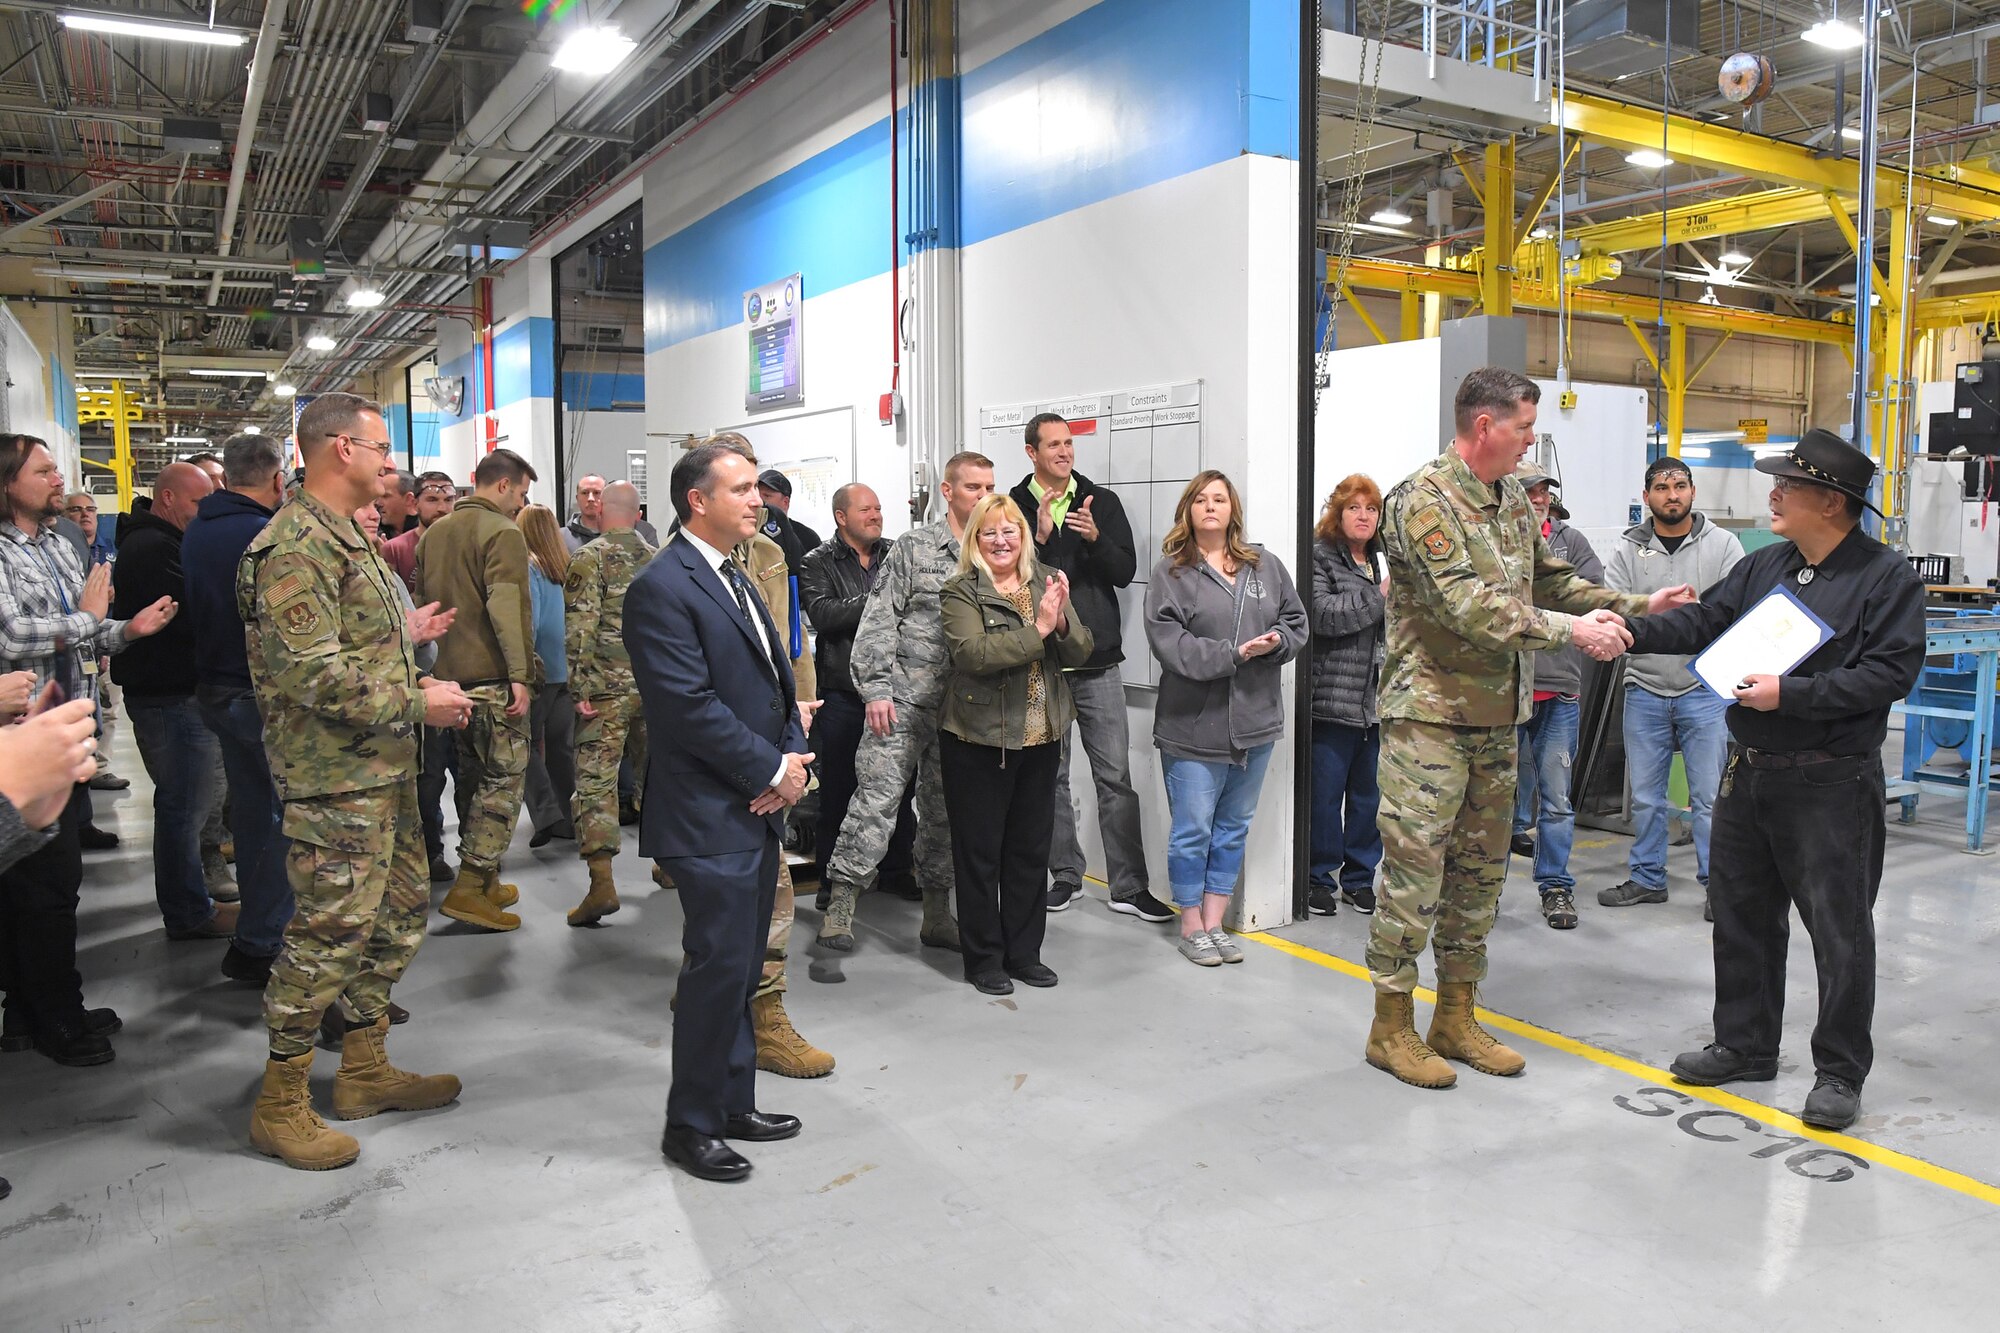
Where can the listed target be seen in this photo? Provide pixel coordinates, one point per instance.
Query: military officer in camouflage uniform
(1474, 591)
(600, 680)
(900, 665)
(474, 561)
(333, 663)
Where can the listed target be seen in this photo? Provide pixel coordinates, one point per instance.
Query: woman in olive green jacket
(1006, 708)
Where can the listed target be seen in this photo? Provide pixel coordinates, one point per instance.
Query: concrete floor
(1148, 1146)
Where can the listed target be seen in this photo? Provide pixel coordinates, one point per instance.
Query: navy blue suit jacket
(720, 714)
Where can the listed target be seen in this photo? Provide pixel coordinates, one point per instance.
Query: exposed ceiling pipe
(268, 37)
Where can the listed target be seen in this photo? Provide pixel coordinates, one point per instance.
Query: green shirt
(1060, 509)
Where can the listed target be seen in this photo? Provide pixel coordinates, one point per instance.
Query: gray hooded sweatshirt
(1213, 705)
(1640, 563)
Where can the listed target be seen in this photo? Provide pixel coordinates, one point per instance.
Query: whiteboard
(815, 450)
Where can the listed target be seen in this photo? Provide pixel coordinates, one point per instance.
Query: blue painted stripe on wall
(1126, 94)
(524, 366)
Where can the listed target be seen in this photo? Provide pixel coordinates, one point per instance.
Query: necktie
(741, 587)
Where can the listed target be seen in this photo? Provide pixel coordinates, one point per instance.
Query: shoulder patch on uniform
(1438, 546)
(286, 587)
(299, 622)
(1432, 534)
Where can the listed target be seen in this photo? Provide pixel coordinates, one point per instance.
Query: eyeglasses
(1786, 485)
(381, 447)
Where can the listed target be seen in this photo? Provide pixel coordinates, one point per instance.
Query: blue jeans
(1548, 749)
(1654, 728)
(1210, 804)
(1346, 844)
(256, 818)
(180, 757)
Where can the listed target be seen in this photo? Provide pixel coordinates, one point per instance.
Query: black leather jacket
(833, 587)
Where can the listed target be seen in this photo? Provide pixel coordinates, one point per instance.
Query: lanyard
(54, 578)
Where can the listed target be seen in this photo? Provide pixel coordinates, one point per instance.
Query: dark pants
(256, 817)
(726, 900)
(1003, 807)
(551, 756)
(440, 759)
(38, 923)
(1809, 838)
(836, 737)
(1346, 797)
(180, 757)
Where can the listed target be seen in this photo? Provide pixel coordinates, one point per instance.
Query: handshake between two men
(1603, 634)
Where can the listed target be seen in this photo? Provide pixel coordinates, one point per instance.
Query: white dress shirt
(717, 560)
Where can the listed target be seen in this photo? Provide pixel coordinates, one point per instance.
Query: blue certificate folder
(1769, 639)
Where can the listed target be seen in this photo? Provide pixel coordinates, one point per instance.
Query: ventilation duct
(1609, 39)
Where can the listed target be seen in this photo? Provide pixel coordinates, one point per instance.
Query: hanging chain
(1368, 90)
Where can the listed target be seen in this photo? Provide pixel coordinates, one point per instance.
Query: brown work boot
(468, 902)
(1456, 1034)
(662, 878)
(602, 900)
(284, 1125)
(780, 1048)
(501, 895)
(1393, 1044)
(939, 930)
(368, 1084)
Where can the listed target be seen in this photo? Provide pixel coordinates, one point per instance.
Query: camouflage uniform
(336, 677)
(763, 561)
(900, 655)
(600, 673)
(1468, 569)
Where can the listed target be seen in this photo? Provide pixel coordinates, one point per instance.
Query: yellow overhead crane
(1811, 185)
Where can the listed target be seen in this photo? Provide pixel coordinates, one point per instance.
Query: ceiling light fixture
(1834, 35)
(1390, 217)
(253, 430)
(1650, 159)
(1734, 257)
(1851, 132)
(1540, 234)
(365, 297)
(1940, 220)
(592, 50)
(319, 342)
(1694, 451)
(172, 32)
(184, 439)
(283, 390)
(229, 374)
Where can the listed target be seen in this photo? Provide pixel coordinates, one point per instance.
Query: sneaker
(105, 780)
(1146, 907)
(1716, 1064)
(1559, 909)
(1832, 1104)
(1521, 845)
(1200, 950)
(1322, 901)
(1628, 894)
(1225, 948)
(1062, 894)
(1361, 900)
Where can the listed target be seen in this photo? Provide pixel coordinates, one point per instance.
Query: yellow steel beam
(1545, 191)
(1410, 316)
(1384, 275)
(1963, 192)
(1675, 381)
(1652, 357)
(1943, 311)
(1347, 293)
(1471, 180)
(1709, 360)
(1496, 281)
(1761, 211)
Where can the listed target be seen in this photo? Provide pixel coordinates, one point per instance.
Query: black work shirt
(1838, 699)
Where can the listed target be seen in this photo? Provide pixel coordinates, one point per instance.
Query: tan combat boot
(468, 902)
(501, 895)
(284, 1125)
(836, 931)
(368, 1084)
(662, 878)
(1456, 1034)
(1394, 1046)
(602, 900)
(939, 930)
(780, 1048)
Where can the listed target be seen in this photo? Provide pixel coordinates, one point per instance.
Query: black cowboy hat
(1824, 459)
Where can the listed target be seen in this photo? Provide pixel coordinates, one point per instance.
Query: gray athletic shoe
(1199, 949)
(1628, 894)
(1225, 947)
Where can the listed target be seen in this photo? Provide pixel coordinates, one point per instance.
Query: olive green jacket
(474, 561)
(986, 700)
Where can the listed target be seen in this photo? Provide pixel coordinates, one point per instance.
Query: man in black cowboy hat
(1799, 818)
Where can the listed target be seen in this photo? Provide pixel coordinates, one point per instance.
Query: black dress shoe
(240, 966)
(69, 1042)
(760, 1127)
(628, 815)
(1034, 974)
(397, 1014)
(992, 983)
(441, 871)
(542, 838)
(703, 1155)
(1714, 1064)
(94, 839)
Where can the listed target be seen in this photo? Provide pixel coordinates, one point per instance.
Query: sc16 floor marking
(1809, 1162)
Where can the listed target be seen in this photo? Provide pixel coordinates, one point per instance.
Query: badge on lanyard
(1806, 576)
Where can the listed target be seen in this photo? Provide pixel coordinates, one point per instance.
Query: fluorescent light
(1770, 450)
(365, 298)
(283, 390)
(184, 439)
(1834, 35)
(229, 374)
(253, 430)
(1733, 257)
(1694, 451)
(1390, 217)
(319, 342)
(1851, 132)
(1648, 158)
(592, 50)
(1940, 220)
(110, 375)
(172, 32)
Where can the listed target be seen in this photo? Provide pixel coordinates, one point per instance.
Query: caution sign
(1756, 430)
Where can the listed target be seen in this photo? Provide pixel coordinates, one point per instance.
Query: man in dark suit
(727, 760)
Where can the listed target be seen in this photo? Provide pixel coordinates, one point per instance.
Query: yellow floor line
(1770, 1115)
